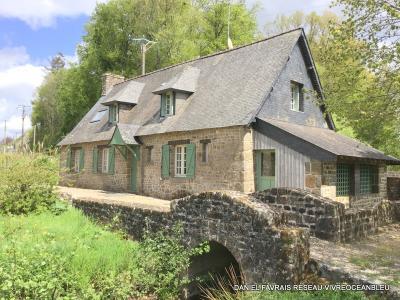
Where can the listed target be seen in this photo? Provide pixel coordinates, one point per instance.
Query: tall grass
(92, 253)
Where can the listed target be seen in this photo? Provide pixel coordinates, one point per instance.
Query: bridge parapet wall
(328, 219)
(266, 249)
(255, 233)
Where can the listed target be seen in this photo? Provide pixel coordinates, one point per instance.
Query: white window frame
(295, 96)
(116, 110)
(105, 156)
(180, 161)
(169, 104)
(77, 159)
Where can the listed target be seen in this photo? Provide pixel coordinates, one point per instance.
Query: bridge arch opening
(210, 270)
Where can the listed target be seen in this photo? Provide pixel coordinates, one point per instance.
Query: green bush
(27, 183)
(47, 256)
(162, 262)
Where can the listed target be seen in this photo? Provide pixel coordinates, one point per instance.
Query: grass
(384, 258)
(92, 250)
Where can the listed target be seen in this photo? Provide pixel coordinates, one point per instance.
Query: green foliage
(27, 182)
(360, 78)
(43, 256)
(182, 29)
(160, 258)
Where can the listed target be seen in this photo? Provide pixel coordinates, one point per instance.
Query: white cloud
(28, 75)
(14, 124)
(43, 13)
(13, 56)
(18, 82)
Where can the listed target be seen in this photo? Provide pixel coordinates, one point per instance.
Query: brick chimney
(108, 81)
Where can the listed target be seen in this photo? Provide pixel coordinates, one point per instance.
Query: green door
(265, 169)
(134, 164)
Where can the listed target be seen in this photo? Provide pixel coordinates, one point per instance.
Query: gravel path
(125, 199)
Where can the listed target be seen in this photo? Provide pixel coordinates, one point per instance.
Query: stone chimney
(108, 81)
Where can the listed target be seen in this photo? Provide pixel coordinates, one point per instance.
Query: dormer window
(167, 104)
(113, 113)
(297, 96)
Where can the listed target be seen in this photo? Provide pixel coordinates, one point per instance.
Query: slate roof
(230, 88)
(186, 81)
(126, 92)
(331, 141)
(128, 132)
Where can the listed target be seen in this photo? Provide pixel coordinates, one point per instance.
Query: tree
(376, 26)
(358, 86)
(182, 29)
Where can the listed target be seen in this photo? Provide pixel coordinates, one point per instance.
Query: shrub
(43, 256)
(27, 183)
(162, 261)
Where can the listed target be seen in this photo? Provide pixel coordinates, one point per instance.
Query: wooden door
(265, 169)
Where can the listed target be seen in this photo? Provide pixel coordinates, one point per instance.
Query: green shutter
(111, 160)
(162, 110)
(69, 158)
(190, 160)
(165, 161)
(95, 159)
(81, 160)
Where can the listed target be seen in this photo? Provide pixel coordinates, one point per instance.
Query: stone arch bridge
(253, 234)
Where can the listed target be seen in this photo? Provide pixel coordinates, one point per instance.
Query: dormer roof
(184, 82)
(127, 92)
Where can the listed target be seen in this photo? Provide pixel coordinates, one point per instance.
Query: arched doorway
(211, 269)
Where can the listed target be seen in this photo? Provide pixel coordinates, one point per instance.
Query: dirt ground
(376, 258)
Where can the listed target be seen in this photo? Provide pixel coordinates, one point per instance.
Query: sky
(33, 31)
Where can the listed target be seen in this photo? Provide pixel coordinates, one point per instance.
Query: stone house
(245, 119)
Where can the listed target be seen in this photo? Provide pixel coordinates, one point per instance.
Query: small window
(104, 160)
(369, 179)
(98, 116)
(180, 161)
(204, 152)
(76, 159)
(167, 104)
(148, 155)
(113, 113)
(344, 180)
(297, 102)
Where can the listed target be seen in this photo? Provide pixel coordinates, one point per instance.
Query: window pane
(105, 160)
(180, 160)
(268, 163)
(343, 180)
(295, 101)
(369, 179)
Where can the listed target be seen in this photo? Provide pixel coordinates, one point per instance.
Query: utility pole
(145, 45)
(23, 108)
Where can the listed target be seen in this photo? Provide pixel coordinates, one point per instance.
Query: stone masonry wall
(329, 219)
(229, 165)
(393, 185)
(320, 178)
(255, 234)
(86, 178)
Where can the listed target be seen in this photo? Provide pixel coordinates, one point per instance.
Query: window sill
(298, 111)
